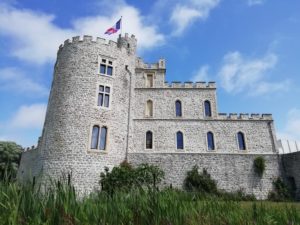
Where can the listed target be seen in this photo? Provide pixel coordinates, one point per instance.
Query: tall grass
(30, 204)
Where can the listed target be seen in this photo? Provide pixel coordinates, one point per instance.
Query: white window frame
(110, 96)
(108, 59)
(97, 150)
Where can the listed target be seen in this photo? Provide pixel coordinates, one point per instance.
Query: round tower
(86, 123)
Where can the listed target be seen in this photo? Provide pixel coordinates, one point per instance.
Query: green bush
(281, 191)
(10, 154)
(259, 165)
(125, 177)
(200, 182)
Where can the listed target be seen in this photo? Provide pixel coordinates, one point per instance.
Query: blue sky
(250, 48)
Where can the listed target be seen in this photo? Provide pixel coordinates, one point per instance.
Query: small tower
(128, 42)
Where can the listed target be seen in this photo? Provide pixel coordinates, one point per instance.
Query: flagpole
(121, 25)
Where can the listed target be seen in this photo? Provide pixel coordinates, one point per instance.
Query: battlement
(244, 116)
(140, 64)
(190, 84)
(122, 41)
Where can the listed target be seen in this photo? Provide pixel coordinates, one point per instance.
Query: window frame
(146, 140)
(107, 144)
(176, 146)
(204, 109)
(181, 105)
(97, 96)
(214, 142)
(238, 143)
(109, 59)
(145, 112)
(146, 80)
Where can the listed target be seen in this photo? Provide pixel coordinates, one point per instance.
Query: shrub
(126, 177)
(259, 165)
(281, 191)
(199, 182)
(10, 154)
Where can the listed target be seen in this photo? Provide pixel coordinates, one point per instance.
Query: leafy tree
(10, 154)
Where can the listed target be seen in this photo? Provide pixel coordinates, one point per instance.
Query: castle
(107, 105)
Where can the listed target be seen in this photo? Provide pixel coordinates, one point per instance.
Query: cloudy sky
(251, 48)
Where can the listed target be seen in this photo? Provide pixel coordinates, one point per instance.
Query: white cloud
(239, 74)
(184, 14)
(29, 116)
(255, 2)
(35, 38)
(13, 79)
(201, 74)
(291, 130)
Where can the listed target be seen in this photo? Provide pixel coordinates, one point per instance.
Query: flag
(115, 28)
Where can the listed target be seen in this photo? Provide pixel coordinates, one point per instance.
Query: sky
(251, 49)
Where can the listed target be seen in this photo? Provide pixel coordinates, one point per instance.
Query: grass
(30, 204)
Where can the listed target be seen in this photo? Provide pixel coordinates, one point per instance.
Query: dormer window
(106, 67)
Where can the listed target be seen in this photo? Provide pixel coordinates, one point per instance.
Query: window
(106, 67)
(99, 136)
(149, 108)
(210, 141)
(178, 108)
(179, 139)
(149, 80)
(241, 140)
(149, 140)
(207, 109)
(103, 96)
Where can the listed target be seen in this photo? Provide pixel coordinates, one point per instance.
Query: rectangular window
(106, 67)
(149, 80)
(103, 96)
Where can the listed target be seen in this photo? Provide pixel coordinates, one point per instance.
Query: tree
(10, 154)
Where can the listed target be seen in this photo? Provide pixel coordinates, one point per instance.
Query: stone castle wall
(291, 171)
(232, 172)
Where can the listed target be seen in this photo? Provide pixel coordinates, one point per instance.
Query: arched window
(210, 141)
(207, 108)
(149, 108)
(179, 137)
(103, 135)
(99, 136)
(149, 140)
(241, 140)
(178, 108)
(95, 135)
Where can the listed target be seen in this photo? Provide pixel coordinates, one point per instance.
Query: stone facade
(73, 111)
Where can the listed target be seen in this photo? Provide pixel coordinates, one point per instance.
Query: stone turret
(85, 68)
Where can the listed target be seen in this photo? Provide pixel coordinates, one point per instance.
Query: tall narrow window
(99, 136)
(178, 108)
(179, 137)
(103, 135)
(106, 67)
(207, 108)
(149, 108)
(103, 96)
(149, 140)
(95, 135)
(210, 141)
(241, 140)
(149, 80)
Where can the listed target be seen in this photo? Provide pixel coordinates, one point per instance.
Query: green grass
(59, 205)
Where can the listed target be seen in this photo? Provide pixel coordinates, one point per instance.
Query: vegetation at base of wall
(281, 191)
(59, 204)
(125, 177)
(259, 165)
(10, 154)
(203, 185)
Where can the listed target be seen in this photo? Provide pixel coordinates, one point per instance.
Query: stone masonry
(73, 110)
